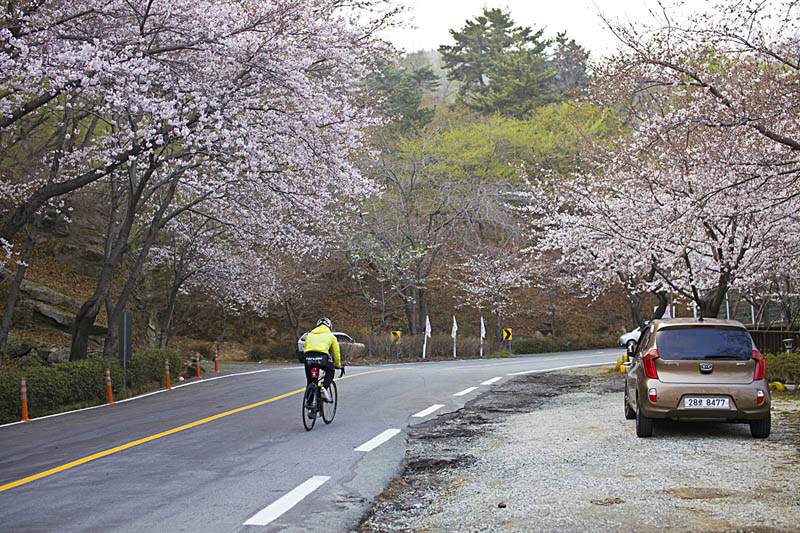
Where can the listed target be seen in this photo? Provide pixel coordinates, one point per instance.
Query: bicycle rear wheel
(310, 406)
(329, 408)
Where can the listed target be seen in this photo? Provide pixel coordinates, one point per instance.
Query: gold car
(697, 369)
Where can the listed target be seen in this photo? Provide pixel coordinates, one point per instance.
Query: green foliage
(145, 370)
(783, 367)
(502, 68)
(506, 150)
(59, 387)
(402, 90)
(497, 355)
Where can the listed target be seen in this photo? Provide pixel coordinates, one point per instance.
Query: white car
(343, 338)
(630, 338)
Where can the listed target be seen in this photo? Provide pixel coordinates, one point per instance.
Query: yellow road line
(116, 449)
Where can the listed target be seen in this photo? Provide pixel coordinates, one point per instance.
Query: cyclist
(317, 351)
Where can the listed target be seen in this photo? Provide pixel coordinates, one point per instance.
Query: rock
(538, 335)
(86, 260)
(16, 349)
(55, 224)
(54, 317)
(58, 355)
(23, 315)
(40, 292)
(60, 318)
(32, 359)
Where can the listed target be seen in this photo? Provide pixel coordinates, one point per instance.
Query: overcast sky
(433, 19)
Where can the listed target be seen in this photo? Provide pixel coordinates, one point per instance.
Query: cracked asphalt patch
(552, 452)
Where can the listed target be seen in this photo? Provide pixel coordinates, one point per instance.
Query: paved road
(231, 454)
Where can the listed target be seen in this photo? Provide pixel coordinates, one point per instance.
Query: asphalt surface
(219, 453)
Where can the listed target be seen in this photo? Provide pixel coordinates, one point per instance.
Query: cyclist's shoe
(326, 396)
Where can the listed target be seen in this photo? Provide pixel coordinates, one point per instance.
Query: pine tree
(503, 68)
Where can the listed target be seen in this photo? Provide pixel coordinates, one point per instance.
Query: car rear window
(704, 343)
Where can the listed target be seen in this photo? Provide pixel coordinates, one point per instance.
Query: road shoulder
(552, 452)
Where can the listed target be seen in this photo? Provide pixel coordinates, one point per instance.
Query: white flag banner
(427, 326)
(453, 334)
(483, 335)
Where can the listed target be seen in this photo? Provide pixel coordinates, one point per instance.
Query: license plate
(705, 403)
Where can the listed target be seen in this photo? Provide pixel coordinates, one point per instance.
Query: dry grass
(229, 351)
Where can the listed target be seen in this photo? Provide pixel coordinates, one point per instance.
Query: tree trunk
(410, 308)
(498, 325)
(422, 302)
(84, 319)
(16, 283)
(663, 302)
(166, 325)
(710, 304)
(635, 301)
(155, 226)
(172, 298)
(291, 316)
(221, 337)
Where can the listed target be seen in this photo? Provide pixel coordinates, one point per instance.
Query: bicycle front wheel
(329, 408)
(310, 406)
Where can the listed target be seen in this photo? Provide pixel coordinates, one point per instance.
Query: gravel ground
(553, 452)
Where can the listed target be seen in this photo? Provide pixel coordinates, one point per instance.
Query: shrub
(273, 351)
(410, 348)
(205, 349)
(145, 371)
(61, 386)
(535, 345)
(560, 344)
(783, 367)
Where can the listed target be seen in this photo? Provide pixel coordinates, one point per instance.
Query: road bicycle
(313, 402)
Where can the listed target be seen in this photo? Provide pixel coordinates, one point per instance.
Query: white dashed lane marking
(429, 410)
(465, 391)
(377, 441)
(286, 502)
(490, 381)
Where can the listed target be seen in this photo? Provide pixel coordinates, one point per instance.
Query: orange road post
(23, 391)
(166, 372)
(216, 359)
(197, 362)
(108, 386)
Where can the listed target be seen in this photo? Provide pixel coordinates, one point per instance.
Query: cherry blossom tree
(258, 103)
(491, 278)
(703, 193)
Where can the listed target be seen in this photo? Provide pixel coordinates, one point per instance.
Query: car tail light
(653, 395)
(314, 371)
(649, 361)
(761, 365)
(760, 397)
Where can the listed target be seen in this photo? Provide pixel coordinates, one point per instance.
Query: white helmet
(325, 321)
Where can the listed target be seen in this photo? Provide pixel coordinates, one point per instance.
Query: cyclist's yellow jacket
(320, 339)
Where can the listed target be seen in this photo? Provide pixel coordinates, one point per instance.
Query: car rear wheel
(760, 428)
(630, 414)
(629, 344)
(644, 424)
